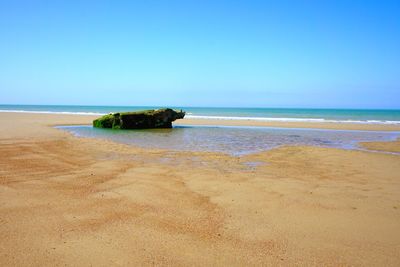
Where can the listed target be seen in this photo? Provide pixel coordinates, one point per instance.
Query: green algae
(159, 118)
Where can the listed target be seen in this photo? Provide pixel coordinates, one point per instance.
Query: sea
(233, 140)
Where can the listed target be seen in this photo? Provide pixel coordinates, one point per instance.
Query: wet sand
(78, 202)
(314, 125)
(383, 146)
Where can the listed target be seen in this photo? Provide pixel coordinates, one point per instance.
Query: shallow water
(231, 140)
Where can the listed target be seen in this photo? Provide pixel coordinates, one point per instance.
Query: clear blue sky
(201, 53)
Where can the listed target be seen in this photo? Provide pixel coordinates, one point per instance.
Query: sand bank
(383, 146)
(79, 202)
(314, 125)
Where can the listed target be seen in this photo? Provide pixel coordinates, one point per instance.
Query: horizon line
(175, 106)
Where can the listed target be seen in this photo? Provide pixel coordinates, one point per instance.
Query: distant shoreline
(259, 121)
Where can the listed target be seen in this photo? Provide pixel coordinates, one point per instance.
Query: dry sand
(80, 202)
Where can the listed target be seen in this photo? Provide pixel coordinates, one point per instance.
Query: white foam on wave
(52, 112)
(265, 119)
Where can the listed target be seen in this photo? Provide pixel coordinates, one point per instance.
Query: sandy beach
(75, 201)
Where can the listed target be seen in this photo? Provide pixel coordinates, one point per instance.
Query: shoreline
(84, 119)
(96, 202)
(254, 121)
(376, 146)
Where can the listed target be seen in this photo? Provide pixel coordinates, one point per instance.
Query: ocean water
(368, 116)
(231, 140)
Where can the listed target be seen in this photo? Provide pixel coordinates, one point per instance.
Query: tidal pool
(232, 140)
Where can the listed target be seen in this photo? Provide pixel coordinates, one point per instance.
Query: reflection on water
(231, 140)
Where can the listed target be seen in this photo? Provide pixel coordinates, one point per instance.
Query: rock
(159, 118)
